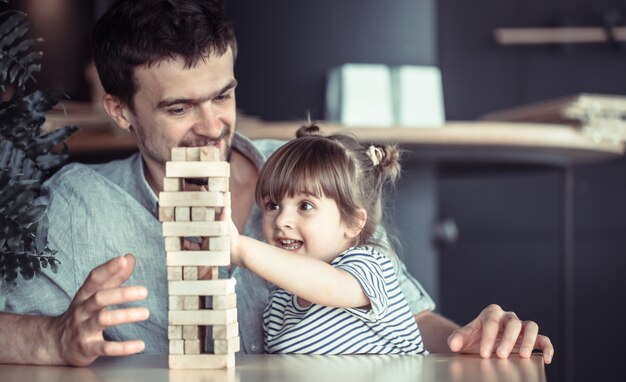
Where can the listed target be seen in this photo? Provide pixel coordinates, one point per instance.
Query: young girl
(337, 294)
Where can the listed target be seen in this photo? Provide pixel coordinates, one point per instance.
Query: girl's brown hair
(336, 166)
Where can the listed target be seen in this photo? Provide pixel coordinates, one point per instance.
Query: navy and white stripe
(386, 327)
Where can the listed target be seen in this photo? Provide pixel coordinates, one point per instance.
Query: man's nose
(208, 123)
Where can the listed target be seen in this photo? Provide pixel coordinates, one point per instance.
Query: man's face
(177, 106)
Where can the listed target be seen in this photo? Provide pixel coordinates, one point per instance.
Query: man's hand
(495, 329)
(79, 329)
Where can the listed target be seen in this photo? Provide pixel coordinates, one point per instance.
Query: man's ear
(357, 225)
(118, 111)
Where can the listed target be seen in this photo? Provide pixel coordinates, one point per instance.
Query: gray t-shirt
(97, 212)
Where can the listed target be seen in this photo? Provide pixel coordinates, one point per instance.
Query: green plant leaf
(14, 239)
(31, 216)
(10, 23)
(19, 30)
(22, 47)
(21, 65)
(54, 263)
(41, 236)
(26, 155)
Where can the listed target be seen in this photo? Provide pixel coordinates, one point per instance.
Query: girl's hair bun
(390, 162)
(306, 130)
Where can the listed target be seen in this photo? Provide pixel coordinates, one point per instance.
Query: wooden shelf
(485, 141)
(458, 141)
(568, 35)
(563, 110)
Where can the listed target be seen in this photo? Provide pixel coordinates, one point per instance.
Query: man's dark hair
(146, 32)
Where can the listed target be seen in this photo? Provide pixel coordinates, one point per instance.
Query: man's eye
(222, 97)
(305, 206)
(271, 206)
(177, 111)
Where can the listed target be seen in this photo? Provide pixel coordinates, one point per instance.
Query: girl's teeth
(290, 244)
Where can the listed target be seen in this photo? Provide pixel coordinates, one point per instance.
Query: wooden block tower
(200, 303)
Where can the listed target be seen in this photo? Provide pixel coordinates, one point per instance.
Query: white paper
(360, 95)
(417, 96)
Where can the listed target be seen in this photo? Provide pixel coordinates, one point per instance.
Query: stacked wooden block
(200, 303)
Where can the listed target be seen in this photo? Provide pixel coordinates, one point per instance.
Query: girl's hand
(235, 255)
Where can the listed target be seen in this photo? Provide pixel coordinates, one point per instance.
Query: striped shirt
(386, 327)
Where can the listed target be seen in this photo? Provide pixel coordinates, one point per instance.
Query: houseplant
(28, 156)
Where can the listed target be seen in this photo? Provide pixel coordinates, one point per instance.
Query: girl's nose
(283, 220)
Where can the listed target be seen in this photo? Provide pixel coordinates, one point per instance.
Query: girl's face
(307, 225)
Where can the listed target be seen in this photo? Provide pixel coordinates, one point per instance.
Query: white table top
(300, 368)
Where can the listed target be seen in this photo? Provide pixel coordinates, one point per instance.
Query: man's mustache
(205, 181)
(207, 141)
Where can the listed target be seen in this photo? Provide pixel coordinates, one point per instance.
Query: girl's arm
(311, 279)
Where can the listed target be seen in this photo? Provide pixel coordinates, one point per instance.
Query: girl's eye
(305, 206)
(271, 206)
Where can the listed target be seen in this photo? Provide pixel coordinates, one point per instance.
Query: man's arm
(435, 330)
(27, 340)
(75, 337)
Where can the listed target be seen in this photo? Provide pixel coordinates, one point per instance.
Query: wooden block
(224, 332)
(193, 154)
(191, 332)
(210, 154)
(174, 273)
(215, 273)
(228, 346)
(206, 258)
(225, 374)
(218, 184)
(219, 243)
(171, 184)
(197, 169)
(182, 229)
(175, 303)
(182, 214)
(191, 303)
(192, 347)
(202, 214)
(225, 302)
(166, 214)
(202, 317)
(201, 361)
(177, 346)
(201, 287)
(179, 154)
(172, 244)
(175, 332)
(191, 199)
(190, 273)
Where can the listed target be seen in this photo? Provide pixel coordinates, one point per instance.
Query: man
(167, 69)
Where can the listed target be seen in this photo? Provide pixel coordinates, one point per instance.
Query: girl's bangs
(288, 180)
